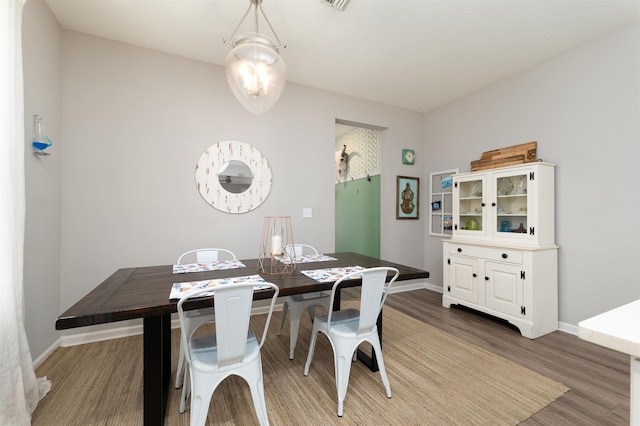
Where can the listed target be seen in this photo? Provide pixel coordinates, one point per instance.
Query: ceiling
(415, 54)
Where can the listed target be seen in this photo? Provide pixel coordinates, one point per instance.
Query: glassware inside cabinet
(471, 189)
(512, 204)
(471, 196)
(470, 222)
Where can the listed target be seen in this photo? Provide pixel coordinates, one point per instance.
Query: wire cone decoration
(276, 247)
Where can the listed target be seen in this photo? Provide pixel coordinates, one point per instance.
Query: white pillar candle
(276, 244)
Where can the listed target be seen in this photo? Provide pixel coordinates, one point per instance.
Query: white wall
(135, 122)
(583, 109)
(41, 40)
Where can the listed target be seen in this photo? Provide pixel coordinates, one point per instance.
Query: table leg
(336, 299)
(156, 368)
(635, 391)
(368, 360)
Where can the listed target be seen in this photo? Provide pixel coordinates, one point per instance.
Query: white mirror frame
(215, 195)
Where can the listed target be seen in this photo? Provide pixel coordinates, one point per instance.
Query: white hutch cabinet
(502, 258)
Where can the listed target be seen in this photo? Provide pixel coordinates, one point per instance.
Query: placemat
(332, 274)
(307, 258)
(185, 268)
(178, 290)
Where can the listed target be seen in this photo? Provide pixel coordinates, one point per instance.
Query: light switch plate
(307, 212)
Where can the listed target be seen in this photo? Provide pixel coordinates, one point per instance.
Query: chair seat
(298, 303)
(309, 296)
(204, 352)
(199, 312)
(343, 322)
(194, 319)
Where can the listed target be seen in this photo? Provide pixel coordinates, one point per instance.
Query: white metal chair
(206, 255)
(299, 302)
(232, 350)
(196, 318)
(347, 329)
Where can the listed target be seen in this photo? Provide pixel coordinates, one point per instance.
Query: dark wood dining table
(143, 292)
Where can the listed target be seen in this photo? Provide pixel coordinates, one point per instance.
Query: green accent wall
(358, 216)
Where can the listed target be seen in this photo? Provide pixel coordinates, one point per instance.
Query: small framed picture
(447, 223)
(407, 201)
(408, 157)
(446, 181)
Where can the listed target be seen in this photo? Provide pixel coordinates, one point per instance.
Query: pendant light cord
(257, 4)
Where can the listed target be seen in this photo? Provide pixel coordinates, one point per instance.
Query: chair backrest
(299, 249)
(373, 293)
(207, 255)
(232, 306)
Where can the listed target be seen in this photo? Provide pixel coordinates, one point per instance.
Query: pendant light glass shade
(255, 72)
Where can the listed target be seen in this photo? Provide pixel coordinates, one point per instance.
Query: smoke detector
(336, 4)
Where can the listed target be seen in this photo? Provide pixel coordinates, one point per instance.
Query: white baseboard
(135, 329)
(415, 285)
(100, 335)
(44, 355)
(568, 328)
(433, 287)
(94, 336)
(562, 326)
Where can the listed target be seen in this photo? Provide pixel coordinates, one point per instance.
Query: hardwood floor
(598, 378)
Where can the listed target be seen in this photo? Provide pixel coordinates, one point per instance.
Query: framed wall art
(407, 197)
(408, 157)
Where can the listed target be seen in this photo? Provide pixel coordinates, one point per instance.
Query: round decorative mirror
(233, 177)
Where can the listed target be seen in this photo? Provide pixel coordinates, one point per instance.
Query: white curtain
(20, 391)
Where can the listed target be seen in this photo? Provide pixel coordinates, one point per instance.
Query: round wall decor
(233, 177)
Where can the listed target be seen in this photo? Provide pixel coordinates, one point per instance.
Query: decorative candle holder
(277, 234)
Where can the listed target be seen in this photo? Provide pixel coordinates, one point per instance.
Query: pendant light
(255, 71)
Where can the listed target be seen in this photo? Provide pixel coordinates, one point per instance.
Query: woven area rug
(435, 379)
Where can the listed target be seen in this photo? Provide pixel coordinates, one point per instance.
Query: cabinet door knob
(504, 255)
(475, 275)
(493, 204)
(486, 278)
(459, 250)
(483, 204)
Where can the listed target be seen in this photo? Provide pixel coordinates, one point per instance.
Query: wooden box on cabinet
(490, 264)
